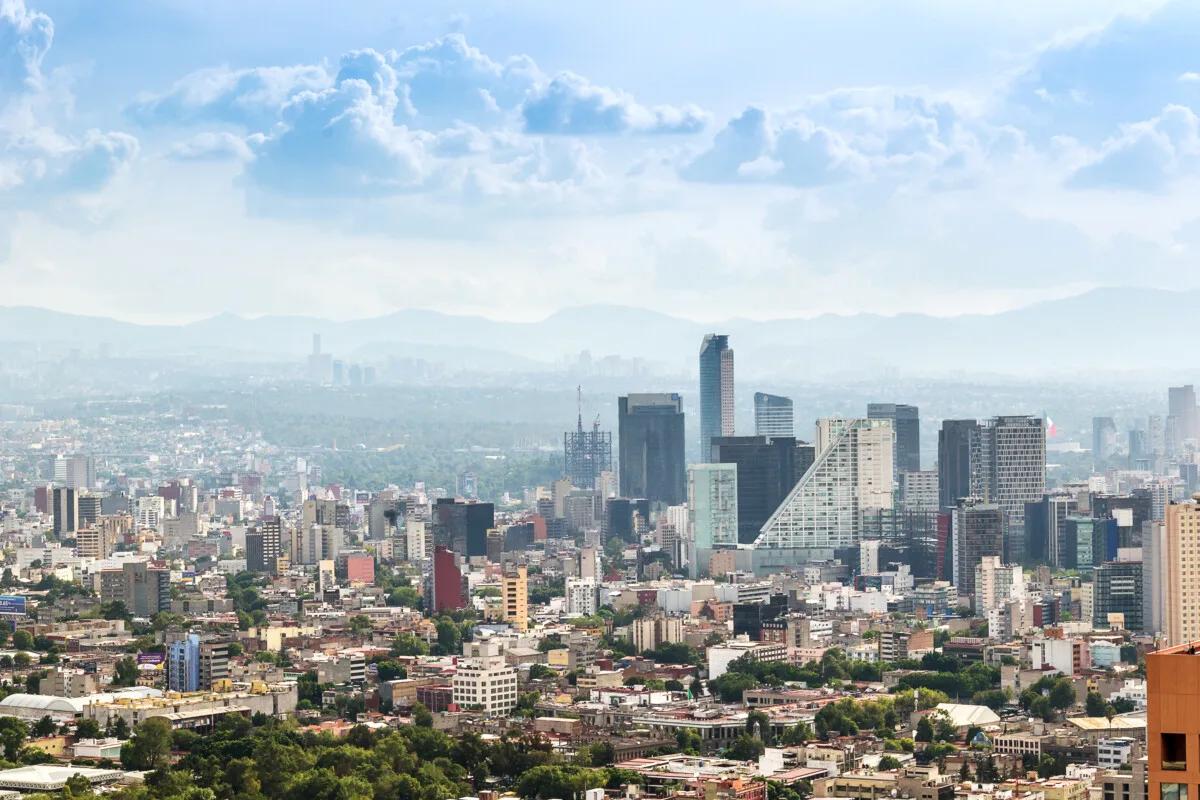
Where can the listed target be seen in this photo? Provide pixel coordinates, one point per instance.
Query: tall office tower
(254, 551)
(271, 529)
(978, 531)
(463, 527)
(586, 454)
(955, 441)
(712, 511)
(1045, 527)
(76, 472)
(1154, 576)
(320, 365)
(66, 510)
(651, 442)
(1181, 590)
(1117, 589)
(766, 472)
(147, 590)
(906, 421)
(1104, 442)
(90, 508)
(852, 476)
(1155, 432)
(1139, 453)
(1181, 407)
(716, 390)
(773, 415)
(1013, 460)
(447, 582)
(385, 513)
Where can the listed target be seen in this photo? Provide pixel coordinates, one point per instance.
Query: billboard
(150, 658)
(12, 604)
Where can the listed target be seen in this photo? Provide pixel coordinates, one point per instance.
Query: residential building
(1181, 593)
(581, 596)
(516, 597)
(484, 681)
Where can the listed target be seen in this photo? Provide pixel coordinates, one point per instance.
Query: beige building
(1181, 593)
(516, 598)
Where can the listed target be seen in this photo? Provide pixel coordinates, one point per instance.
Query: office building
(463, 526)
(90, 508)
(75, 472)
(1046, 534)
(264, 545)
(1118, 596)
(712, 510)
(183, 664)
(978, 531)
(66, 511)
(515, 597)
(448, 592)
(767, 469)
(144, 589)
(716, 390)
(1181, 592)
(650, 434)
(484, 681)
(906, 422)
(214, 664)
(852, 476)
(1104, 442)
(955, 441)
(1181, 416)
(773, 415)
(919, 490)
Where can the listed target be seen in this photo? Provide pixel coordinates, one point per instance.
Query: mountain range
(1119, 330)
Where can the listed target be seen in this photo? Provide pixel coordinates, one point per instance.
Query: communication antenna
(579, 406)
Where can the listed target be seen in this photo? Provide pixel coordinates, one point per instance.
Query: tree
(889, 763)
(757, 722)
(22, 640)
(235, 649)
(389, 670)
(421, 716)
(22, 660)
(88, 728)
(541, 671)
(1095, 705)
(729, 687)
(746, 748)
(688, 741)
(360, 625)
(44, 727)
(924, 729)
(12, 735)
(150, 747)
(407, 644)
(120, 728)
(125, 672)
(115, 610)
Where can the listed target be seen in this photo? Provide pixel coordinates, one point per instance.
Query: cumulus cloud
(570, 104)
(252, 97)
(1145, 156)
(215, 146)
(25, 36)
(344, 140)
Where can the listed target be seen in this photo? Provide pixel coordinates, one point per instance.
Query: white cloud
(1145, 156)
(25, 37)
(250, 97)
(570, 104)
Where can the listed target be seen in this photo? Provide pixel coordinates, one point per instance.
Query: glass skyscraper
(716, 391)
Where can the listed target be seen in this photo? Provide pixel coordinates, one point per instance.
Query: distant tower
(716, 391)
(586, 454)
(650, 435)
(773, 415)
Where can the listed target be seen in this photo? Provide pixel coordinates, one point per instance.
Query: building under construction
(587, 453)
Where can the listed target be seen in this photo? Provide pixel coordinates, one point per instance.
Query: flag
(1051, 428)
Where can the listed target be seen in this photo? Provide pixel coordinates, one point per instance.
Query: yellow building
(516, 598)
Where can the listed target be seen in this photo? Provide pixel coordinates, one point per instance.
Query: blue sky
(172, 160)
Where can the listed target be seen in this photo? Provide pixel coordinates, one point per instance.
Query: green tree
(421, 716)
(360, 625)
(150, 747)
(125, 672)
(22, 640)
(88, 728)
(407, 644)
(13, 733)
(44, 727)
(745, 748)
(889, 763)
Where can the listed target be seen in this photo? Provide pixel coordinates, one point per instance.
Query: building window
(1174, 755)
(1172, 791)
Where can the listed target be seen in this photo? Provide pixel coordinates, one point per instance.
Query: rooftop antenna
(579, 405)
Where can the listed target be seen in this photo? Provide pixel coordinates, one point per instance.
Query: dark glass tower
(767, 469)
(650, 448)
(955, 440)
(906, 421)
(716, 390)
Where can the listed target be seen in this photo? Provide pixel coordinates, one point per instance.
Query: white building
(997, 583)
(581, 596)
(484, 680)
(722, 655)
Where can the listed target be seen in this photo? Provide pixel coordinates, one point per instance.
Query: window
(1174, 754)
(1173, 791)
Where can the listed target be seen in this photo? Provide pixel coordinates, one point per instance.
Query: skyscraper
(650, 438)
(852, 475)
(586, 454)
(1104, 441)
(716, 390)
(906, 421)
(447, 582)
(712, 510)
(66, 510)
(773, 415)
(766, 471)
(954, 460)
(978, 531)
(1181, 593)
(1182, 414)
(463, 527)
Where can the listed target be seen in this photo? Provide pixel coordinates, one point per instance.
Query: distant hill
(1115, 329)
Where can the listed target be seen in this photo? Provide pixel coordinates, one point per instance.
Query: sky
(167, 161)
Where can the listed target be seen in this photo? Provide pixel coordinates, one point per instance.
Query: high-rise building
(586, 454)
(906, 421)
(996, 583)
(1181, 592)
(447, 581)
(716, 390)
(66, 510)
(852, 475)
(1046, 539)
(766, 472)
(90, 508)
(650, 436)
(1172, 722)
(463, 526)
(581, 595)
(183, 664)
(1104, 442)
(773, 415)
(955, 441)
(320, 365)
(978, 531)
(1117, 589)
(75, 472)
(264, 545)
(919, 490)
(1182, 414)
(712, 510)
(1154, 576)
(516, 597)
